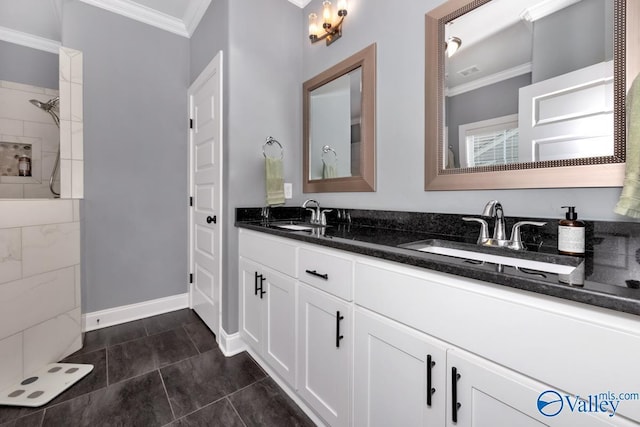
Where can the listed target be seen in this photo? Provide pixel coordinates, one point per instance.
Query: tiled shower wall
(40, 319)
(39, 285)
(24, 123)
(71, 124)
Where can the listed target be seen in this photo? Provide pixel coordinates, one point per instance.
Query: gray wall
(400, 122)
(262, 85)
(29, 66)
(210, 37)
(134, 240)
(488, 102)
(573, 38)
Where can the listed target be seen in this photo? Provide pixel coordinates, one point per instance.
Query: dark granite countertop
(609, 276)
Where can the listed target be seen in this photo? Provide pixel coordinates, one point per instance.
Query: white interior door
(205, 100)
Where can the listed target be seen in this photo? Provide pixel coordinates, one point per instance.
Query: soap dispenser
(571, 233)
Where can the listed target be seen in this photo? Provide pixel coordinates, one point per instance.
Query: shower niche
(17, 161)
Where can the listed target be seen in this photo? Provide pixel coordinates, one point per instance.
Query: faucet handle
(484, 228)
(516, 238)
(313, 215)
(323, 216)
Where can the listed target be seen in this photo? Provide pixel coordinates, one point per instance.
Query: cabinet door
(250, 304)
(279, 324)
(399, 374)
(324, 351)
(488, 395)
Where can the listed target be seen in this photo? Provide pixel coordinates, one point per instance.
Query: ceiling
(481, 59)
(37, 23)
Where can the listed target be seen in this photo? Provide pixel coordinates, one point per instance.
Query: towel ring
(327, 149)
(270, 141)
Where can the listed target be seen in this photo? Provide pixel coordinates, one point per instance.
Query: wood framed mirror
(510, 110)
(339, 126)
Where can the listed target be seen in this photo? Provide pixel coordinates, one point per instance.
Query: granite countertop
(381, 236)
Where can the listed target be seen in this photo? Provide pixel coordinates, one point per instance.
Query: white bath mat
(41, 387)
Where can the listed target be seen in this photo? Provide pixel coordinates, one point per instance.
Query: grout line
(106, 364)
(191, 339)
(166, 393)
(235, 410)
(146, 331)
(247, 386)
(42, 418)
(199, 409)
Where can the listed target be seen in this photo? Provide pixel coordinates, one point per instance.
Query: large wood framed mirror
(339, 126)
(534, 96)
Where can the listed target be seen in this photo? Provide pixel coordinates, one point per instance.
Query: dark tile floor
(164, 370)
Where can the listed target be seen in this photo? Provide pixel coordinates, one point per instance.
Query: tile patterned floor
(165, 370)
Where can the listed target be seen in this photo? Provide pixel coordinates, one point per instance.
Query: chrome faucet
(318, 216)
(493, 209)
(315, 213)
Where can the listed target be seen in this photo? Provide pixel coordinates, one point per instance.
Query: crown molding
(488, 80)
(543, 9)
(300, 3)
(142, 14)
(194, 13)
(29, 40)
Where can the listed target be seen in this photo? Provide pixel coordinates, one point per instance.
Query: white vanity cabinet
(507, 346)
(367, 342)
(325, 333)
(489, 395)
(399, 374)
(267, 306)
(324, 349)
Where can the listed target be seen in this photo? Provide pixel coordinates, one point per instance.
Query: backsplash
(612, 248)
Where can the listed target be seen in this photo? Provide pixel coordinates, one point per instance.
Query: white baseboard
(230, 345)
(127, 313)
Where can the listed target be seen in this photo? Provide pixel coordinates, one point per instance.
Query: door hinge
(190, 123)
(190, 201)
(190, 277)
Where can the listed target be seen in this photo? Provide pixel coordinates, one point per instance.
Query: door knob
(211, 219)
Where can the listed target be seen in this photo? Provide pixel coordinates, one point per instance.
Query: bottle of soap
(571, 233)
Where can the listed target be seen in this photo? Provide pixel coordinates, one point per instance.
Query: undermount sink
(548, 263)
(298, 226)
(295, 227)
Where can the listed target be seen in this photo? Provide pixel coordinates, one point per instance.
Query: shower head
(50, 107)
(46, 106)
(38, 103)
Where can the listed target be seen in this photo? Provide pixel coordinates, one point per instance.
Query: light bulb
(313, 24)
(453, 45)
(342, 6)
(326, 12)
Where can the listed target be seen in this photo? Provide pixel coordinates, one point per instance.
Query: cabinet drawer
(274, 252)
(326, 271)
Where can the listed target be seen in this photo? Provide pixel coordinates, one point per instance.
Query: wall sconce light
(452, 45)
(332, 32)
